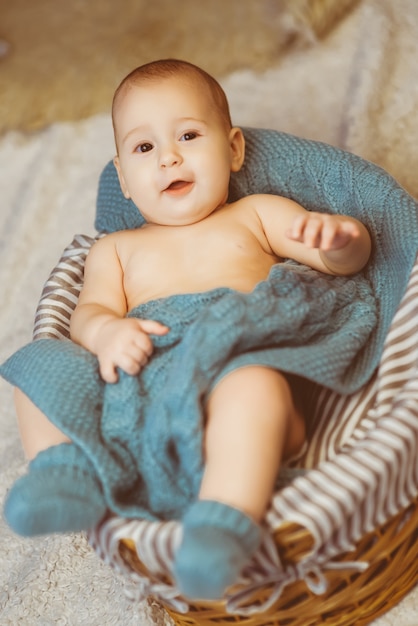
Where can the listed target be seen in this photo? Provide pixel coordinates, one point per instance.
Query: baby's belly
(175, 284)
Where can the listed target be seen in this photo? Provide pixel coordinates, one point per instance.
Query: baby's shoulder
(120, 236)
(258, 199)
(114, 241)
(261, 202)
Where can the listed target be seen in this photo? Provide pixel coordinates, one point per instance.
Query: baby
(176, 148)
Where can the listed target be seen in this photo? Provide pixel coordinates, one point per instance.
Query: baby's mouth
(178, 187)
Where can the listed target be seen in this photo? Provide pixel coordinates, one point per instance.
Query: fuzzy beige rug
(356, 88)
(62, 59)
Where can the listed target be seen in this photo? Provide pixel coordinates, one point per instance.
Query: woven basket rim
(352, 598)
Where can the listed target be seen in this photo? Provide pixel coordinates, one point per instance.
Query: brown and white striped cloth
(358, 470)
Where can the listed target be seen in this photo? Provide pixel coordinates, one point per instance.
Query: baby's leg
(60, 492)
(252, 424)
(36, 432)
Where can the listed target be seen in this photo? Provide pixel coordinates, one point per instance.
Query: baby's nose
(169, 157)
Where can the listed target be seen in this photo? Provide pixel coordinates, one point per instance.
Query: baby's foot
(218, 541)
(60, 493)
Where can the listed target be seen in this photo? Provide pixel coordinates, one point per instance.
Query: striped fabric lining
(360, 459)
(61, 291)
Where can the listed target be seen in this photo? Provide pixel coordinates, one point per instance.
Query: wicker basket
(351, 599)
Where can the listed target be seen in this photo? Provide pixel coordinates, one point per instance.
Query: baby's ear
(121, 178)
(237, 143)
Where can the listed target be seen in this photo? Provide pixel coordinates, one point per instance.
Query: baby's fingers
(295, 232)
(338, 235)
(108, 371)
(130, 361)
(328, 235)
(307, 230)
(152, 327)
(312, 235)
(133, 361)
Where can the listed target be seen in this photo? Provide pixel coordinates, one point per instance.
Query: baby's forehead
(180, 82)
(196, 99)
(190, 96)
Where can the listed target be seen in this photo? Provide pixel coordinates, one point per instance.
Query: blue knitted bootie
(60, 493)
(218, 541)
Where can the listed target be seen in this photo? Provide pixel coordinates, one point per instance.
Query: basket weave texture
(351, 599)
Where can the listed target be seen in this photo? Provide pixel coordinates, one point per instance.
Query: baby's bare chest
(168, 260)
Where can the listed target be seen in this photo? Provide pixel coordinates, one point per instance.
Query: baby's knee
(36, 432)
(296, 435)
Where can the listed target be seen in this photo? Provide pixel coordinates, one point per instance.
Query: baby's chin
(186, 218)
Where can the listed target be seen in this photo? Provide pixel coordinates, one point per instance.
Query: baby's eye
(188, 136)
(144, 147)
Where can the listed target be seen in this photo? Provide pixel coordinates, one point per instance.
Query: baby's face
(175, 154)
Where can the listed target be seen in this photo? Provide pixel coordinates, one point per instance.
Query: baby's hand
(125, 343)
(323, 231)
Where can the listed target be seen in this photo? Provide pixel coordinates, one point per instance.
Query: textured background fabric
(357, 89)
(62, 59)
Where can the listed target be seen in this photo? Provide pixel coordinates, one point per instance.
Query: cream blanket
(357, 89)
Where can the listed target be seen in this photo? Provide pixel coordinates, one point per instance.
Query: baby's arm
(335, 244)
(99, 322)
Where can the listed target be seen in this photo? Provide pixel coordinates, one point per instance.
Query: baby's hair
(168, 68)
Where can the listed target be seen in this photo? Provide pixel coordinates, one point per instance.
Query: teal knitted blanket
(144, 434)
